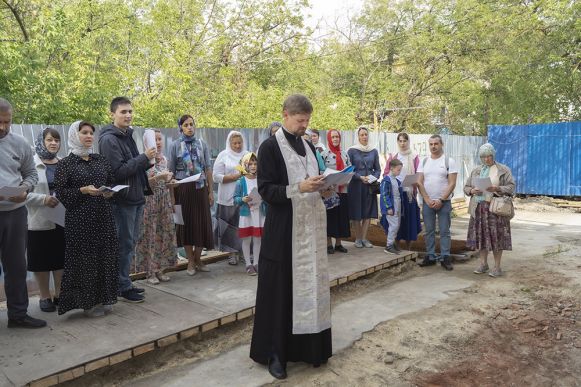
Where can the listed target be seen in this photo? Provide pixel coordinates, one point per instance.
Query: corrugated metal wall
(545, 158)
(463, 149)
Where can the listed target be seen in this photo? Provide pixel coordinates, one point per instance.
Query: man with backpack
(437, 175)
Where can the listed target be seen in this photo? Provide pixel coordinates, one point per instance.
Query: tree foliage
(414, 65)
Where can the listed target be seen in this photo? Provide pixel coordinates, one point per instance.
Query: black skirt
(338, 219)
(46, 250)
(197, 228)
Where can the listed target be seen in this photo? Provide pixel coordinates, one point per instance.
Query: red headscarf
(336, 149)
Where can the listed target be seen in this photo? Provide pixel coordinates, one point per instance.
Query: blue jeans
(128, 221)
(444, 221)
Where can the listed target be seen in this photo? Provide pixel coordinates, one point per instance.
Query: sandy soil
(523, 329)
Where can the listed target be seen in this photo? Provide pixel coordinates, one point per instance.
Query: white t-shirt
(436, 176)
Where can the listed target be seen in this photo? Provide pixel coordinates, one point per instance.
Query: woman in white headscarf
(226, 174)
(362, 199)
(92, 249)
(486, 230)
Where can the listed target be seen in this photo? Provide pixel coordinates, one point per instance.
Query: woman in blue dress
(362, 202)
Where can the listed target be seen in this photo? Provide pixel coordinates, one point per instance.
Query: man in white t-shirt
(437, 175)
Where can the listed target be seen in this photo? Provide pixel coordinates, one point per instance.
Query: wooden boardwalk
(186, 306)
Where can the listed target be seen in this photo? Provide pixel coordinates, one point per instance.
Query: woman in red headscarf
(338, 216)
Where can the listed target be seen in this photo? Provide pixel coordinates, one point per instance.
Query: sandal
(162, 277)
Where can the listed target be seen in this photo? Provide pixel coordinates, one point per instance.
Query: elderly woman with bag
(490, 211)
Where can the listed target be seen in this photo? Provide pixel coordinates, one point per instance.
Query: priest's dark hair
(297, 104)
(115, 102)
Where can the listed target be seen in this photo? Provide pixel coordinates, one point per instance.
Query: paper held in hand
(55, 215)
(149, 142)
(409, 180)
(177, 215)
(10, 192)
(256, 198)
(371, 179)
(482, 183)
(117, 188)
(334, 177)
(190, 179)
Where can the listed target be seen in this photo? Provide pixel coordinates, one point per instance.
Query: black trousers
(13, 237)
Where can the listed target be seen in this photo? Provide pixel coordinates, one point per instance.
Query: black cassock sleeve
(272, 176)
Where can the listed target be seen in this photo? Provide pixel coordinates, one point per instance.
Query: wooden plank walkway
(186, 306)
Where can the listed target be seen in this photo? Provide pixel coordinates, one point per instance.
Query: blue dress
(362, 204)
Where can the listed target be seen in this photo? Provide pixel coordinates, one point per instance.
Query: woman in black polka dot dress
(90, 268)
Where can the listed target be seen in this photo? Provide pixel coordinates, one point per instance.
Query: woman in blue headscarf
(488, 231)
(46, 240)
(189, 156)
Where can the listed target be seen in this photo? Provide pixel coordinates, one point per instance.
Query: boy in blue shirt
(391, 209)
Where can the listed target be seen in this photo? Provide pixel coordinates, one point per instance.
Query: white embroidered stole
(311, 293)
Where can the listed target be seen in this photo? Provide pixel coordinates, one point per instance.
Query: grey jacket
(506, 184)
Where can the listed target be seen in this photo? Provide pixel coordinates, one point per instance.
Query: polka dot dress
(91, 255)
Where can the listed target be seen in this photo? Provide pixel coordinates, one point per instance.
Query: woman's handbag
(502, 206)
(374, 188)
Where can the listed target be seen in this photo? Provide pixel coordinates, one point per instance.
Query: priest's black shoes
(276, 368)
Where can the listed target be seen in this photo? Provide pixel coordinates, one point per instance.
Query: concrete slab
(350, 320)
(72, 341)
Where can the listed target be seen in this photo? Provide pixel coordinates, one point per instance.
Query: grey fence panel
(463, 149)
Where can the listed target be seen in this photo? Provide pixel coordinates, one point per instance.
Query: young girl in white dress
(252, 211)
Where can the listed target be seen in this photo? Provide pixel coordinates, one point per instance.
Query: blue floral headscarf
(41, 149)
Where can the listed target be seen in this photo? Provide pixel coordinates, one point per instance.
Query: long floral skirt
(156, 249)
(487, 231)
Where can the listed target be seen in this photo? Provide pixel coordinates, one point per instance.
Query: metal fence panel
(463, 149)
(545, 158)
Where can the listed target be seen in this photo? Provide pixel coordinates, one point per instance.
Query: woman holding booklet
(156, 248)
(486, 230)
(189, 160)
(92, 249)
(410, 225)
(362, 198)
(337, 216)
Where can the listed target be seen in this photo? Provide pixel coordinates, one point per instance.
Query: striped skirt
(197, 228)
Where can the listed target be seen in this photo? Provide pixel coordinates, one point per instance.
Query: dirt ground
(523, 329)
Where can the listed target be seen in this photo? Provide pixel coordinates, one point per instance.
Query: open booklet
(117, 188)
(334, 177)
(190, 179)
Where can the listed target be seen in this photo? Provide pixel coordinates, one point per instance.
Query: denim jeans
(444, 221)
(128, 220)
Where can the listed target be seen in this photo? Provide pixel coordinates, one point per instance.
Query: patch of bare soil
(541, 204)
(533, 342)
(520, 330)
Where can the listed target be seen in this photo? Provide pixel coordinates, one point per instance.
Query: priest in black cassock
(293, 311)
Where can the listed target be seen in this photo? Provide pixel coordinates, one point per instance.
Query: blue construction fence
(545, 159)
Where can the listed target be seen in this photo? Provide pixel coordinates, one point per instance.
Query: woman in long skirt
(486, 230)
(90, 279)
(189, 156)
(156, 248)
(226, 174)
(410, 225)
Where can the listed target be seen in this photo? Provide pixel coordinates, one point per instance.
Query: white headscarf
(75, 144)
(242, 152)
(230, 158)
(363, 148)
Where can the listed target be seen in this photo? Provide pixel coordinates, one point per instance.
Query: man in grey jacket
(16, 170)
(116, 143)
